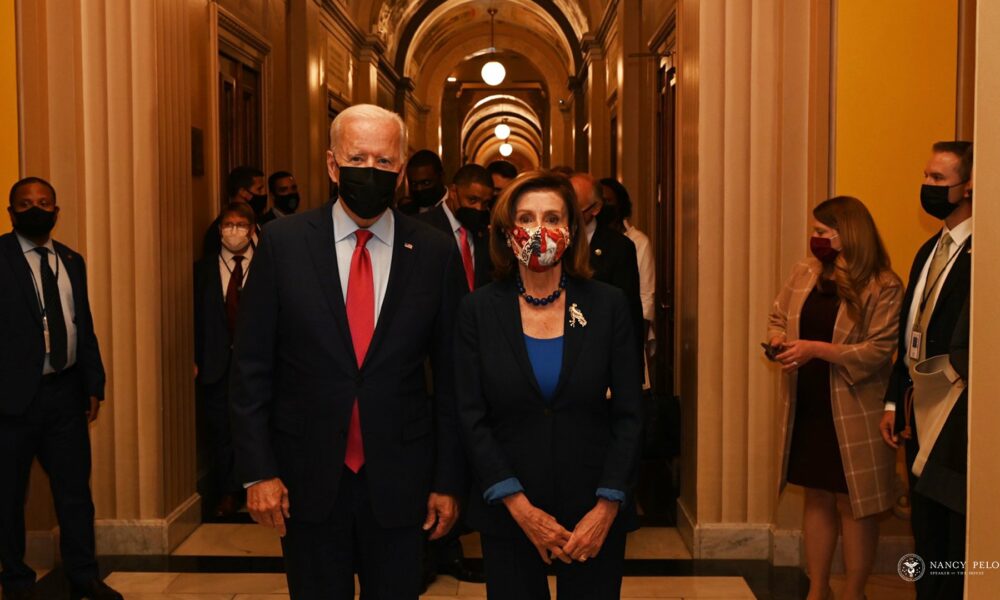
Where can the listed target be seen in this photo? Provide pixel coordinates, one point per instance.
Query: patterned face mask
(539, 248)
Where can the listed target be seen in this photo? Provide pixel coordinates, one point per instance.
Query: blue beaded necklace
(541, 301)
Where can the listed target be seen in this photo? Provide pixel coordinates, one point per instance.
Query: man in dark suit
(936, 295)
(52, 382)
(464, 216)
(284, 196)
(424, 183)
(612, 254)
(218, 285)
(340, 446)
(243, 184)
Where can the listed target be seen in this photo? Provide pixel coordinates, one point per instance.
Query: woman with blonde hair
(834, 328)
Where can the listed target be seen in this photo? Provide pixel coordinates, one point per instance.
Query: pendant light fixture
(502, 131)
(493, 72)
(506, 149)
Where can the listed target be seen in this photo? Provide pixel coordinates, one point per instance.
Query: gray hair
(368, 112)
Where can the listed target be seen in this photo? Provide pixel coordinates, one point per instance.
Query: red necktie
(361, 318)
(470, 269)
(233, 294)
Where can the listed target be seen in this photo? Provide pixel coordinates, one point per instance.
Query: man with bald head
(612, 254)
(341, 448)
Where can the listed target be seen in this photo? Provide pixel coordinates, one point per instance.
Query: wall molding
(149, 536)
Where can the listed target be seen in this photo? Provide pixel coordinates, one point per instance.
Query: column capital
(371, 49)
(592, 48)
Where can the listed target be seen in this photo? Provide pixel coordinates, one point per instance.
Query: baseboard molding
(148, 536)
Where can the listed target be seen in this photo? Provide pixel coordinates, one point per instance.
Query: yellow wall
(895, 96)
(8, 105)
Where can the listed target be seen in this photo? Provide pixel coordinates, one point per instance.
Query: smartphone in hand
(771, 352)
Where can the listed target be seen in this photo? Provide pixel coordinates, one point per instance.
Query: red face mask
(539, 248)
(822, 249)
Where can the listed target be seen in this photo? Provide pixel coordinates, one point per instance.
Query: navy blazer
(482, 265)
(212, 342)
(562, 451)
(295, 377)
(613, 258)
(22, 343)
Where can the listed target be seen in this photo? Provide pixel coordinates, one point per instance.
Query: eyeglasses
(233, 228)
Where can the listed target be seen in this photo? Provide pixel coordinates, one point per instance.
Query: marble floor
(243, 562)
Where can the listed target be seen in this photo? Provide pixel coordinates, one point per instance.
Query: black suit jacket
(951, 302)
(613, 258)
(295, 377)
(564, 450)
(482, 264)
(22, 343)
(212, 342)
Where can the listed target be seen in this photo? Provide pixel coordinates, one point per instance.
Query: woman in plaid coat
(834, 328)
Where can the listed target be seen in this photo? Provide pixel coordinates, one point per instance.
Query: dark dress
(814, 460)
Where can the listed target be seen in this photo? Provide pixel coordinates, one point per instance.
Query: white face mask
(235, 239)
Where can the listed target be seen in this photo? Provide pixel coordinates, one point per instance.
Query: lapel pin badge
(408, 246)
(597, 251)
(576, 316)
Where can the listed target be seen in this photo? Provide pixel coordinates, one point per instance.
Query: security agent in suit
(612, 255)
(243, 184)
(342, 449)
(464, 215)
(936, 296)
(53, 381)
(218, 285)
(284, 196)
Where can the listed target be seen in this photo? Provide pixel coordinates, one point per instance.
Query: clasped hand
(552, 540)
(795, 354)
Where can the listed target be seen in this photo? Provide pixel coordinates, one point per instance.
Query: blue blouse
(546, 361)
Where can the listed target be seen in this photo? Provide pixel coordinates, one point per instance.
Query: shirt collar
(455, 225)
(28, 245)
(344, 226)
(278, 211)
(228, 256)
(590, 228)
(961, 232)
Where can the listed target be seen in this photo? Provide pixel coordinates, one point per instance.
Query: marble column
(745, 113)
(111, 130)
(598, 115)
(366, 71)
(983, 545)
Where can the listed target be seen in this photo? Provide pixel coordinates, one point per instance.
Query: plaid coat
(857, 384)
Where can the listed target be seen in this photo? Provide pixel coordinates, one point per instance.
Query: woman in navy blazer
(536, 353)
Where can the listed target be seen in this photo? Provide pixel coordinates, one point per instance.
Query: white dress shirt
(65, 294)
(647, 269)
(379, 248)
(959, 235)
(227, 265)
(456, 228)
(590, 228)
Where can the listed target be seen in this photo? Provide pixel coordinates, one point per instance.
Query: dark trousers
(54, 428)
(321, 558)
(515, 571)
(938, 536)
(215, 410)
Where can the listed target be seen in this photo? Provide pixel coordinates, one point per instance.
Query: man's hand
(443, 509)
(589, 534)
(95, 407)
(542, 529)
(886, 426)
(267, 502)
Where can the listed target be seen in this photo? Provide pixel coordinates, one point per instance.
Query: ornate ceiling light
(506, 149)
(502, 131)
(493, 72)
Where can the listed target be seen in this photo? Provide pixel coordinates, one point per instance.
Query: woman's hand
(798, 353)
(590, 533)
(542, 529)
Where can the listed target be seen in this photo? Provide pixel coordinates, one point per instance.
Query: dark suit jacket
(482, 264)
(951, 302)
(212, 343)
(613, 258)
(22, 344)
(562, 451)
(295, 377)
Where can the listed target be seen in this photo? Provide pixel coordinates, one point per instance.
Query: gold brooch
(576, 316)
(597, 251)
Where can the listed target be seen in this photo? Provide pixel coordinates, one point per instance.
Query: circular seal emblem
(911, 567)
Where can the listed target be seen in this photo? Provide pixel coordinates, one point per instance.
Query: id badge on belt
(916, 338)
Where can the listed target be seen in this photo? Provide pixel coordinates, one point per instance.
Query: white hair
(368, 112)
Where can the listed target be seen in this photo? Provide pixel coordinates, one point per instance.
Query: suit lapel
(403, 256)
(957, 277)
(574, 336)
(508, 312)
(19, 266)
(324, 255)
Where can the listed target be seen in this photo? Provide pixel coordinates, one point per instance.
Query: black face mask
(608, 217)
(476, 221)
(367, 191)
(258, 203)
(428, 197)
(287, 203)
(934, 199)
(34, 222)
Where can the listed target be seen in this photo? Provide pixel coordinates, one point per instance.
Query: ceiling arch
(524, 156)
(499, 106)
